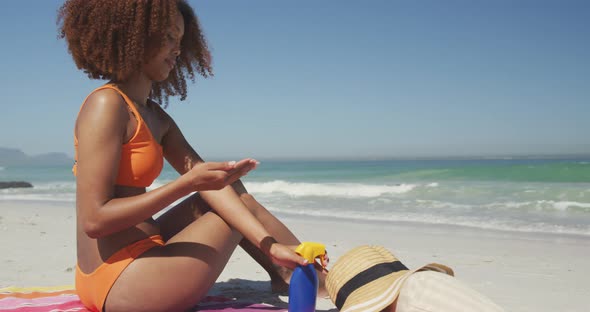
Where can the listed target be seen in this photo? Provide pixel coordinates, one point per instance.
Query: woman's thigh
(176, 276)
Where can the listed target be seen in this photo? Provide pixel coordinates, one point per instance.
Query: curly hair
(111, 39)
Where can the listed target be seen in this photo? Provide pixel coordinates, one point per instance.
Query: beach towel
(64, 298)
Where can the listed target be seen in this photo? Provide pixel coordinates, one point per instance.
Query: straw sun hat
(369, 278)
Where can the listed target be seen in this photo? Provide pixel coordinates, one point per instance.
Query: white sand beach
(519, 271)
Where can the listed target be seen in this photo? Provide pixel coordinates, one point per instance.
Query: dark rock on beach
(15, 184)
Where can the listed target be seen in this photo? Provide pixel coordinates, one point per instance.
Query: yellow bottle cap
(311, 250)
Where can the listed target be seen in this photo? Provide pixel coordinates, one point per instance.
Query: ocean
(526, 195)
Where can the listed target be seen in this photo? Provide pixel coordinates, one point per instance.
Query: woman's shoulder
(105, 95)
(105, 102)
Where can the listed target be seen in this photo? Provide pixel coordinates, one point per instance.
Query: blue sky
(352, 79)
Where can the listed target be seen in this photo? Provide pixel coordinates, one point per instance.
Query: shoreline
(37, 244)
(533, 235)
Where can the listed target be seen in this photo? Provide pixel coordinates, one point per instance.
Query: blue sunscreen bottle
(303, 287)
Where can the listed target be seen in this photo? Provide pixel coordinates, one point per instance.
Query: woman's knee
(181, 215)
(213, 227)
(197, 205)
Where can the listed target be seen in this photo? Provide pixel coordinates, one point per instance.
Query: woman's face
(158, 67)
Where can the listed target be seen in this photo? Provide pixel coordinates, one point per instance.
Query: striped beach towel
(33, 299)
(64, 299)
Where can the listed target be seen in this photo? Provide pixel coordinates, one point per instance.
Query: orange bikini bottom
(94, 287)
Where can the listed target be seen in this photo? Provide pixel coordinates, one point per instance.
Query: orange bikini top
(141, 158)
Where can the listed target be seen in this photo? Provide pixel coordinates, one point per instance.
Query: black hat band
(365, 277)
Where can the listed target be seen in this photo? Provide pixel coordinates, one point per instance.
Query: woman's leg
(176, 276)
(180, 216)
(190, 209)
(273, 225)
(282, 234)
(194, 206)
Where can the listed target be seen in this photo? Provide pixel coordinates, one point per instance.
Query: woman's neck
(137, 88)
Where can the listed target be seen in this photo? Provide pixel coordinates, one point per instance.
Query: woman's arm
(226, 201)
(101, 129)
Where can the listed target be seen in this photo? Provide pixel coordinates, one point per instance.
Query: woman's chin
(160, 78)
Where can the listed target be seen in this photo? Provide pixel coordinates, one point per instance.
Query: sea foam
(348, 190)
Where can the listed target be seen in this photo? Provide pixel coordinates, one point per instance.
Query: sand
(519, 271)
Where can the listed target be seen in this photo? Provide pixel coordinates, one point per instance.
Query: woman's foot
(279, 287)
(279, 280)
(322, 291)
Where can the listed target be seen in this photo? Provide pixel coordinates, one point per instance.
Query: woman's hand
(285, 256)
(323, 264)
(217, 175)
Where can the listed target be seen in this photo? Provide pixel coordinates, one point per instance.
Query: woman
(126, 259)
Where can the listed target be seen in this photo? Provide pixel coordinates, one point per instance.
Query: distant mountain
(15, 157)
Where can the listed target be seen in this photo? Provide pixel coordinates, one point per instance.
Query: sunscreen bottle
(303, 287)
